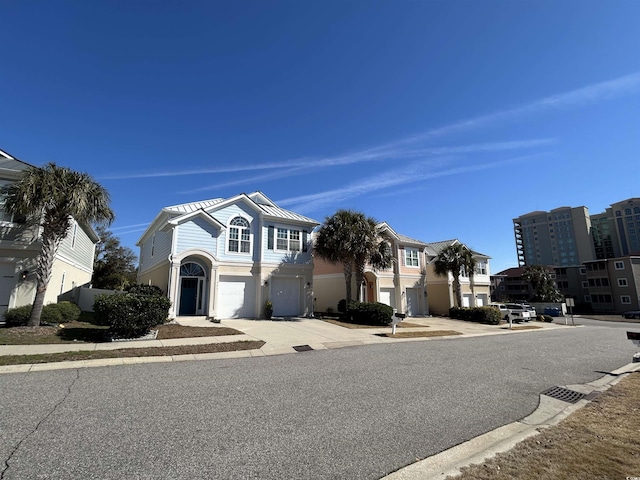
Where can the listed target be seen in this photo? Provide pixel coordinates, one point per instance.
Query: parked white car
(519, 313)
(504, 311)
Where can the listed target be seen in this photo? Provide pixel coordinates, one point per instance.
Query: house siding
(224, 216)
(161, 250)
(197, 233)
(81, 251)
(279, 256)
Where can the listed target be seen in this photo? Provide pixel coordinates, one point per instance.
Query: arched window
(239, 236)
(191, 270)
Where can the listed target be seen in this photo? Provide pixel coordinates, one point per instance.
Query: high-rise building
(569, 236)
(560, 237)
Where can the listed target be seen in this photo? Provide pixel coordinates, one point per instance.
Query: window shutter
(270, 238)
(304, 240)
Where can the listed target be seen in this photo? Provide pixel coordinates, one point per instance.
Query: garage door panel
(285, 296)
(236, 297)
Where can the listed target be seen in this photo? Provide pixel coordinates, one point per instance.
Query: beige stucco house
(440, 288)
(402, 287)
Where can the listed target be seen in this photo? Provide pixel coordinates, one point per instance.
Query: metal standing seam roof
(278, 212)
(193, 206)
(269, 210)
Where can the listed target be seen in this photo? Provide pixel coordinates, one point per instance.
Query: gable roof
(258, 201)
(434, 248)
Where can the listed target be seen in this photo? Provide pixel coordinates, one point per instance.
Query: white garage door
(285, 295)
(236, 297)
(7, 283)
(412, 301)
(387, 296)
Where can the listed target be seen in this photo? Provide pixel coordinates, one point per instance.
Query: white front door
(466, 300)
(481, 300)
(387, 296)
(412, 302)
(7, 284)
(285, 296)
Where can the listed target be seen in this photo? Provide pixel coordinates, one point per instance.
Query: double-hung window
(239, 236)
(288, 240)
(411, 257)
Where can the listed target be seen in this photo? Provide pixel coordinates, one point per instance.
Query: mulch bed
(433, 333)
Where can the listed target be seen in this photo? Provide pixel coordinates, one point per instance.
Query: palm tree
(352, 239)
(51, 197)
(454, 258)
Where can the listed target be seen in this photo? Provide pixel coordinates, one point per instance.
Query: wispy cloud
(595, 93)
(415, 172)
(127, 227)
(387, 154)
(410, 147)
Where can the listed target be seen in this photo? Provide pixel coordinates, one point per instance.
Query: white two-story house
(20, 246)
(225, 258)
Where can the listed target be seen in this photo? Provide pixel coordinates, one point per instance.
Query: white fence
(84, 296)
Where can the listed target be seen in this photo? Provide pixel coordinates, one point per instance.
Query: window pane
(282, 240)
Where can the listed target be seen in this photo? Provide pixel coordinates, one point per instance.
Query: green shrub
(488, 315)
(547, 318)
(342, 306)
(17, 317)
(364, 313)
(51, 315)
(130, 315)
(70, 312)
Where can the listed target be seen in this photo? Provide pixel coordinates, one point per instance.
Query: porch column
(213, 292)
(174, 288)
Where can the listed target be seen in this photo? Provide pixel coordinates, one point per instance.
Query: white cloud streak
(595, 93)
(404, 154)
(413, 173)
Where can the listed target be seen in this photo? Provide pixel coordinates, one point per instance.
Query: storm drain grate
(564, 394)
(302, 348)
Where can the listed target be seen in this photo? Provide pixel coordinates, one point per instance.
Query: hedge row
(364, 313)
(488, 315)
(53, 313)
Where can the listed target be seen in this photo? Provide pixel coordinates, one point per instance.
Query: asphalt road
(357, 413)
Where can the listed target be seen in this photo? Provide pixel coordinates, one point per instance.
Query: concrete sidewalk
(280, 337)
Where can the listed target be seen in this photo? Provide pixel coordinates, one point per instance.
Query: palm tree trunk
(43, 276)
(457, 290)
(348, 271)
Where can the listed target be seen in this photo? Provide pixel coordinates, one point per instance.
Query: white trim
(249, 220)
(622, 282)
(627, 298)
(289, 229)
(618, 265)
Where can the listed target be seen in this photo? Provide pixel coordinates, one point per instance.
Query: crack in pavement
(55, 407)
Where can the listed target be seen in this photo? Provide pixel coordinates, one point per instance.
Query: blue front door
(188, 296)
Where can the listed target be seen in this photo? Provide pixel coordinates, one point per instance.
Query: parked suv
(518, 313)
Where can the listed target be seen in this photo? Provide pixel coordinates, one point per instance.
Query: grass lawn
(599, 441)
(74, 332)
(131, 352)
(432, 333)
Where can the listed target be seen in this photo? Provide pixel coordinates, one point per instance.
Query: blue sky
(445, 119)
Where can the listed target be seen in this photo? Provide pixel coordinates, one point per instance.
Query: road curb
(550, 412)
